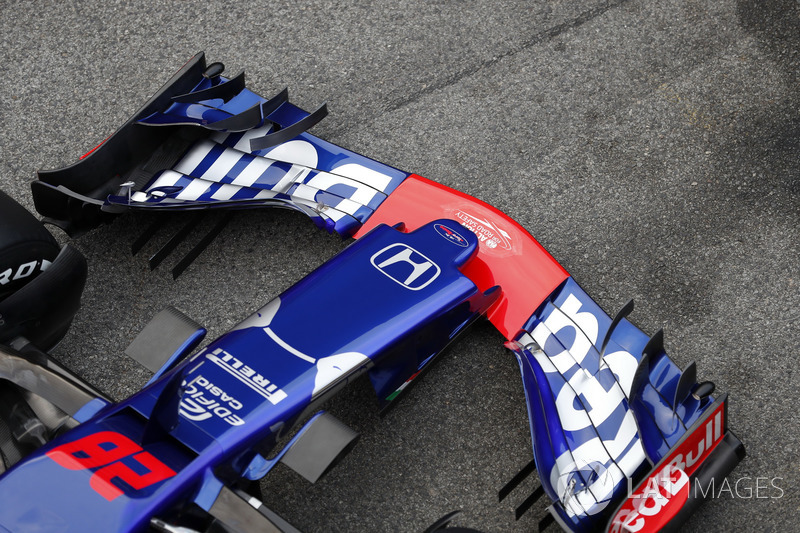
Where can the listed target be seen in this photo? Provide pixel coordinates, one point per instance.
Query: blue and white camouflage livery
(589, 438)
(339, 189)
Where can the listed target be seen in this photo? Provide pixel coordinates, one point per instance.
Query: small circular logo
(451, 235)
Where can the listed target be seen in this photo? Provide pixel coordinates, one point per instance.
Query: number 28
(106, 449)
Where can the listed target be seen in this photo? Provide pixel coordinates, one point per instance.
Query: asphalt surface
(652, 147)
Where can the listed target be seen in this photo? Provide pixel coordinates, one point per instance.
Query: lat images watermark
(745, 487)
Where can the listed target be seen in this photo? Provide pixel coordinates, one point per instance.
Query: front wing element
(190, 147)
(605, 402)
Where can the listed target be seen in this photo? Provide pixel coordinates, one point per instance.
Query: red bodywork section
(663, 494)
(507, 254)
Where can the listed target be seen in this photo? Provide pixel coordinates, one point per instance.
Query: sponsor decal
(122, 465)
(23, 271)
(587, 476)
(211, 171)
(661, 496)
(202, 400)
(451, 235)
(406, 266)
(488, 233)
(246, 375)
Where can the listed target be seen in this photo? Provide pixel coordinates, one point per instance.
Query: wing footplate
(165, 340)
(321, 446)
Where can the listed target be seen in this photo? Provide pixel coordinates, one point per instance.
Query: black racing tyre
(26, 247)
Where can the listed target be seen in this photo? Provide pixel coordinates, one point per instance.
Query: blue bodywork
(190, 147)
(589, 438)
(211, 419)
(304, 173)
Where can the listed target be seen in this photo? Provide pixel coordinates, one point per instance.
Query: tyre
(26, 247)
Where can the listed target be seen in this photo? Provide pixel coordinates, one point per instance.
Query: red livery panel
(661, 496)
(507, 254)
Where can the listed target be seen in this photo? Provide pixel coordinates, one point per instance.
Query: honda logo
(406, 266)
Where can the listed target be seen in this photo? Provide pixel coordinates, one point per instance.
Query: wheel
(26, 247)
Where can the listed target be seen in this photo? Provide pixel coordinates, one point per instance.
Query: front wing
(610, 413)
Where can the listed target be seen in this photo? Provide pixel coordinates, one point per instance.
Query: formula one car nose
(214, 418)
